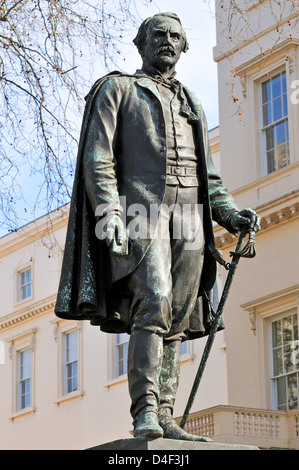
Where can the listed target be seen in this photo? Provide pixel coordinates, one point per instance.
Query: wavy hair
(140, 38)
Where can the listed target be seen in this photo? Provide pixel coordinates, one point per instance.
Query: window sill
(118, 380)
(124, 378)
(69, 397)
(187, 358)
(26, 411)
(21, 302)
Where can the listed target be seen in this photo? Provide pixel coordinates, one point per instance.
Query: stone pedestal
(160, 445)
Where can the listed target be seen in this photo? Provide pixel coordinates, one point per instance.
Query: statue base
(167, 444)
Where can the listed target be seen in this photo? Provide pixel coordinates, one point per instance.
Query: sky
(196, 68)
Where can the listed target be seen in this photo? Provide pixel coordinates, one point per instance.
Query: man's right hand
(114, 228)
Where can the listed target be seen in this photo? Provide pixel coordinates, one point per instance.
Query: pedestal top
(167, 444)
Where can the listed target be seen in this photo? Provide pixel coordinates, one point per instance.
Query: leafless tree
(47, 48)
(242, 21)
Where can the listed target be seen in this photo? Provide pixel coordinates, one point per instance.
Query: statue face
(164, 44)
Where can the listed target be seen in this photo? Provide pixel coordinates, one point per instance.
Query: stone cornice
(33, 311)
(265, 304)
(272, 214)
(280, 51)
(34, 231)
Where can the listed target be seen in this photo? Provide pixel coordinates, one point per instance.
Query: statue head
(161, 40)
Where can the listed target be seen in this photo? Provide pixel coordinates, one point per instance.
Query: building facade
(64, 383)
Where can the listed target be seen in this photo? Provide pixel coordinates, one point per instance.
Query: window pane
(284, 82)
(295, 326)
(266, 91)
(122, 346)
(287, 359)
(25, 284)
(276, 86)
(285, 105)
(276, 333)
(287, 326)
(277, 362)
(277, 109)
(280, 135)
(281, 394)
(24, 379)
(184, 348)
(25, 357)
(270, 138)
(71, 346)
(282, 155)
(292, 391)
(71, 362)
(267, 118)
(270, 161)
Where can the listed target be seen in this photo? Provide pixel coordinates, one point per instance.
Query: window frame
(124, 345)
(17, 344)
(262, 312)
(18, 273)
(23, 380)
(68, 362)
(61, 329)
(251, 74)
(274, 378)
(274, 123)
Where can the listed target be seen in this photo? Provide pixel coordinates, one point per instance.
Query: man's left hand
(246, 218)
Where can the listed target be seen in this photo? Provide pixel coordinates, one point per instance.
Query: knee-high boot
(169, 381)
(144, 367)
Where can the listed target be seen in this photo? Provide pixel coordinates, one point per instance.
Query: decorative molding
(30, 312)
(273, 303)
(282, 52)
(268, 221)
(252, 318)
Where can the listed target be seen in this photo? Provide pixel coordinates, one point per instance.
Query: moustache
(166, 49)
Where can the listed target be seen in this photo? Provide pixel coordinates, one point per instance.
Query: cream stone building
(64, 384)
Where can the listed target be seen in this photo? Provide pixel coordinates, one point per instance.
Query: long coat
(122, 152)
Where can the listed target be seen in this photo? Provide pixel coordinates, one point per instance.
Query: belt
(181, 171)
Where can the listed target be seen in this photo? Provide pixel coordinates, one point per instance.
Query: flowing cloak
(93, 281)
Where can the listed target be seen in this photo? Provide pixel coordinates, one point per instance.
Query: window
(69, 337)
(71, 362)
(24, 379)
(21, 352)
(122, 346)
(275, 130)
(25, 285)
(285, 366)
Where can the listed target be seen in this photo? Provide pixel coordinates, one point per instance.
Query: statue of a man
(139, 248)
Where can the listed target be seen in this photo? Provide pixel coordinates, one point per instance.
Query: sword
(248, 251)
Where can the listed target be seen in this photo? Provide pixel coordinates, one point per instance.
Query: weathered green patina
(144, 141)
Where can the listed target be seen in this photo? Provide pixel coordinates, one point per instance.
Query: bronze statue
(139, 248)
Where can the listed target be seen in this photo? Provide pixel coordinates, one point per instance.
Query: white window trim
(20, 269)
(271, 320)
(251, 75)
(263, 152)
(261, 313)
(25, 340)
(62, 327)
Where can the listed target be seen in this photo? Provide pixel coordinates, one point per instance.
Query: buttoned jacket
(122, 157)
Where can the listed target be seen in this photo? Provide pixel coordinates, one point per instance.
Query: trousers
(164, 289)
(164, 286)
